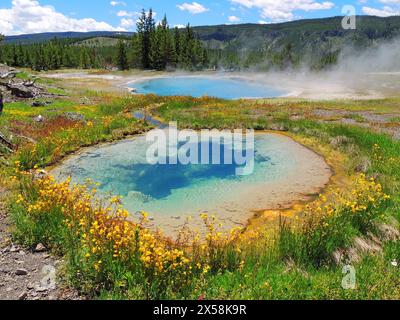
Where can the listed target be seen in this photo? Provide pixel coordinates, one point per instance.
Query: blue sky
(33, 16)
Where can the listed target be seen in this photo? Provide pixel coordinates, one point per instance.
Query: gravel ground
(28, 274)
(379, 122)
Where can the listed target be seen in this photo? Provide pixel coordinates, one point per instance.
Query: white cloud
(28, 16)
(127, 23)
(123, 13)
(384, 12)
(283, 10)
(233, 19)
(117, 3)
(193, 8)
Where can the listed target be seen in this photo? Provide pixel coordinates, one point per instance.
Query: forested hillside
(316, 44)
(152, 47)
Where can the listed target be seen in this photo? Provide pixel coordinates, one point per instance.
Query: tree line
(153, 46)
(160, 47)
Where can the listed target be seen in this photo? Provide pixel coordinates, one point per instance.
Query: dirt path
(27, 274)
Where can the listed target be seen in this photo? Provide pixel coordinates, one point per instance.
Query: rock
(20, 90)
(363, 166)
(30, 286)
(13, 248)
(340, 141)
(39, 174)
(277, 127)
(40, 248)
(394, 263)
(22, 296)
(41, 289)
(21, 272)
(29, 83)
(36, 104)
(39, 118)
(7, 72)
(389, 232)
(74, 116)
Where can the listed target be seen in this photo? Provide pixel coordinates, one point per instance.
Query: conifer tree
(156, 54)
(135, 52)
(1, 93)
(122, 57)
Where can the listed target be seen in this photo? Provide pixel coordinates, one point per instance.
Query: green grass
(395, 119)
(299, 264)
(57, 91)
(23, 76)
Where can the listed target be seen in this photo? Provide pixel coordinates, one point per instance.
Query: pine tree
(167, 46)
(84, 59)
(122, 57)
(141, 38)
(187, 48)
(146, 29)
(135, 57)
(162, 47)
(1, 93)
(156, 59)
(177, 43)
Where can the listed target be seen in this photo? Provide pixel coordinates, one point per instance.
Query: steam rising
(361, 74)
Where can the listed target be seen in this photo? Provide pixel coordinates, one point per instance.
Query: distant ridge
(378, 27)
(43, 37)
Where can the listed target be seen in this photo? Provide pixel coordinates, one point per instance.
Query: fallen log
(20, 90)
(29, 83)
(1, 102)
(10, 74)
(4, 141)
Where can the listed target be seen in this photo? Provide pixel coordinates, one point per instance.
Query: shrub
(329, 225)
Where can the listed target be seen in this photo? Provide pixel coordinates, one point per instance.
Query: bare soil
(26, 274)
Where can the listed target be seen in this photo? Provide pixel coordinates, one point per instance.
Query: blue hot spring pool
(282, 168)
(196, 86)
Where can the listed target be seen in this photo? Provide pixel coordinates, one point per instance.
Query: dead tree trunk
(1, 102)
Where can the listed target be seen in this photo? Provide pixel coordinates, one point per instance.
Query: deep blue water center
(123, 169)
(197, 86)
(160, 181)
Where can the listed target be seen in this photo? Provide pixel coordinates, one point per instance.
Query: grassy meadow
(299, 254)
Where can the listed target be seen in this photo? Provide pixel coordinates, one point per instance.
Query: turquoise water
(225, 88)
(122, 169)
